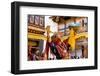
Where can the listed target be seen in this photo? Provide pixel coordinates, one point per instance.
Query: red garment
(61, 49)
(66, 42)
(58, 40)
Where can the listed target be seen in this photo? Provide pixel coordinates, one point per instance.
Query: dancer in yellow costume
(71, 39)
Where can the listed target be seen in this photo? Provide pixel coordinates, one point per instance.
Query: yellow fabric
(71, 39)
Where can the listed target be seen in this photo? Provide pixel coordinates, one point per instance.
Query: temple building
(36, 27)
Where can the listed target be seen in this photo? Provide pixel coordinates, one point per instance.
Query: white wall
(5, 42)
